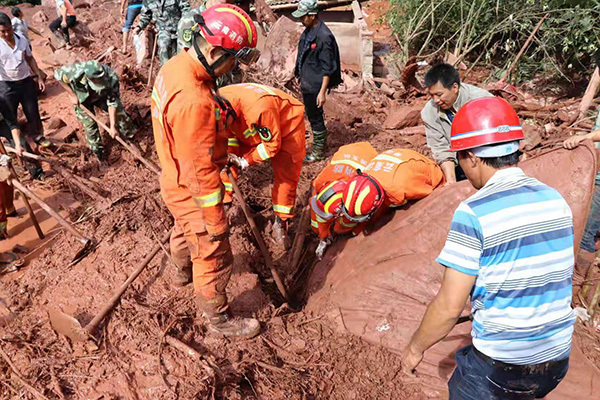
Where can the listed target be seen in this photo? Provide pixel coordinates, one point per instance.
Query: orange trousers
(211, 260)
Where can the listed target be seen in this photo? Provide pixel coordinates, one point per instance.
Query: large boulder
(39, 18)
(378, 286)
(403, 117)
(278, 56)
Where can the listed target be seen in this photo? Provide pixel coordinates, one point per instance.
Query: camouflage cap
(93, 70)
(306, 7)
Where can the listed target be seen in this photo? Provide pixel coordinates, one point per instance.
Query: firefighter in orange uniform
(191, 142)
(390, 179)
(267, 124)
(330, 184)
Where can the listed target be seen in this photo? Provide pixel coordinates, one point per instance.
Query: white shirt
(13, 65)
(20, 27)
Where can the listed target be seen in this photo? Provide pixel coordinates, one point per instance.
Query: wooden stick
(590, 93)
(529, 39)
(26, 192)
(210, 367)
(152, 61)
(93, 324)
(593, 307)
(34, 220)
(257, 235)
(16, 372)
(119, 139)
(298, 244)
(80, 182)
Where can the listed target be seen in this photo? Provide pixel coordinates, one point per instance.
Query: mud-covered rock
(403, 117)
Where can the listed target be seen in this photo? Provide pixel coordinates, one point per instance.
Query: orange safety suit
(191, 142)
(269, 125)
(343, 166)
(403, 174)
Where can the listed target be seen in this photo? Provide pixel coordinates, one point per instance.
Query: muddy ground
(298, 356)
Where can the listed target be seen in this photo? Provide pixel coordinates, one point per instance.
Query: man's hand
(239, 162)
(74, 99)
(321, 99)
(136, 30)
(41, 85)
(410, 360)
(63, 23)
(573, 142)
(323, 244)
(18, 149)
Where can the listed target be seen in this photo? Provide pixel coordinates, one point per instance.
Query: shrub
(493, 31)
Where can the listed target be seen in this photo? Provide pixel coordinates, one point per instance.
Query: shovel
(71, 328)
(259, 239)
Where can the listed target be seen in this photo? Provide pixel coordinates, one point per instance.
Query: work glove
(323, 244)
(236, 161)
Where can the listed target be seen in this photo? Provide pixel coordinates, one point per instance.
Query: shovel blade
(67, 325)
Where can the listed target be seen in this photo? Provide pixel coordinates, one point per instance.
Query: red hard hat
(327, 204)
(362, 197)
(228, 26)
(485, 121)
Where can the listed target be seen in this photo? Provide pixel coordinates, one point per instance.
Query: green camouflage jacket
(165, 13)
(74, 76)
(184, 39)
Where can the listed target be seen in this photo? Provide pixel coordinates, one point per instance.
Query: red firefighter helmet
(229, 27)
(327, 203)
(362, 197)
(482, 122)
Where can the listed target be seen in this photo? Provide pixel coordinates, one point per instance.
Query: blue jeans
(475, 378)
(132, 13)
(592, 225)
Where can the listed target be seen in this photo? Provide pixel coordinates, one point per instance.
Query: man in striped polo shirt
(510, 247)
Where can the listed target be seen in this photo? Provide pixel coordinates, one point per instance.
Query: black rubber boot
(318, 147)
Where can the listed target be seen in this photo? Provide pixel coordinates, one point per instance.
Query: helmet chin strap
(209, 68)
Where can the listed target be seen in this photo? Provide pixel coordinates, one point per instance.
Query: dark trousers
(477, 377)
(33, 166)
(55, 25)
(25, 93)
(314, 113)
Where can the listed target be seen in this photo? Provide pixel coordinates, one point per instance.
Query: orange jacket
(344, 163)
(405, 175)
(190, 136)
(342, 166)
(267, 118)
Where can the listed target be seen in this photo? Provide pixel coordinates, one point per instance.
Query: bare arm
(37, 71)
(63, 11)
(123, 2)
(449, 170)
(112, 117)
(322, 96)
(574, 141)
(72, 94)
(34, 30)
(440, 317)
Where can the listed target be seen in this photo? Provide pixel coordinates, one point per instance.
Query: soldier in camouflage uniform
(184, 27)
(166, 15)
(96, 85)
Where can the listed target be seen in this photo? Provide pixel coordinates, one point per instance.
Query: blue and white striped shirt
(516, 235)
